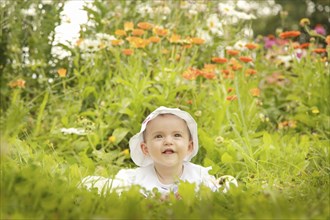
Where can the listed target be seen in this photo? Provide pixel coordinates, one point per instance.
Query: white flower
(144, 10)
(214, 24)
(77, 131)
(225, 181)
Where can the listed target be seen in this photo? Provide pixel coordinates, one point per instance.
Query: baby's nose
(168, 140)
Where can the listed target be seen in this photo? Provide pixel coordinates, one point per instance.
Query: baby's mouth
(168, 151)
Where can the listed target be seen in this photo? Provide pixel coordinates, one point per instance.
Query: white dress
(146, 177)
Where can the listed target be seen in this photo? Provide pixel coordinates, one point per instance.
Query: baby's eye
(158, 136)
(177, 135)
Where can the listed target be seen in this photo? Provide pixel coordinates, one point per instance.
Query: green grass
(275, 143)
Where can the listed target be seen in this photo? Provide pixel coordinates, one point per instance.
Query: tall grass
(264, 121)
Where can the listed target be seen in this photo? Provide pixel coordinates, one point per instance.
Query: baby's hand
(225, 181)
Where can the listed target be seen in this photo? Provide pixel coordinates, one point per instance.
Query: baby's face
(167, 140)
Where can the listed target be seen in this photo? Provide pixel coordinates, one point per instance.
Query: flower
(125, 152)
(128, 26)
(145, 25)
(219, 60)
(61, 72)
(175, 38)
(250, 72)
(304, 21)
(327, 39)
(20, 83)
(120, 32)
(251, 46)
(245, 59)
(137, 32)
(319, 29)
(289, 34)
(77, 131)
(255, 92)
(229, 90)
(315, 110)
(160, 31)
(197, 40)
(128, 52)
(112, 139)
(198, 113)
(231, 97)
(232, 52)
(319, 50)
(219, 140)
(154, 39)
(117, 42)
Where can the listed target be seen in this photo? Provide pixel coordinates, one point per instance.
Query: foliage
(263, 114)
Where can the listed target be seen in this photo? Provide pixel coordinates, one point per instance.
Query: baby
(162, 149)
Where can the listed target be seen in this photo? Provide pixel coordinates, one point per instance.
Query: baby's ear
(144, 148)
(191, 146)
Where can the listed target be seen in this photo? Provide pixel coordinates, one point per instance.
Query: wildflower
(197, 40)
(209, 66)
(189, 102)
(120, 32)
(319, 50)
(315, 110)
(145, 25)
(125, 152)
(232, 52)
(219, 60)
(20, 83)
(77, 131)
(61, 72)
(319, 29)
(250, 72)
(154, 39)
(160, 31)
(79, 41)
(175, 38)
(209, 74)
(235, 65)
(304, 21)
(251, 46)
(165, 51)
(128, 26)
(255, 92)
(137, 32)
(191, 74)
(231, 97)
(229, 90)
(128, 52)
(198, 113)
(304, 45)
(112, 139)
(289, 34)
(117, 42)
(327, 39)
(245, 59)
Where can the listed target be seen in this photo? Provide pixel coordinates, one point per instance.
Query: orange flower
(154, 39)
(304, 45)
(137, 32)
(175, 38)
(289, 34)
(232, 52)
(117, 42)
(231, 97)
(255, 92)
(250, 72)
(20, 83)
(128, 26)
(139, 42)
(189, 102)
(191, 73)
(219, 60)
(209, 74)
(227, 74)
(319, 50)
(79, 41)
(145, 25)
(251, 46)
(61, 72)
(235, 65)
(160, 31)
(209, 66)
(128, 52)
(198, 41)
(327, 39)
(120, 32)
(229, 90)
(245, 59)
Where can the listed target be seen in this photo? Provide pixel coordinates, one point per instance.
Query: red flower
(232, 52)
(319, 50)
(251, 46)
(231, 97)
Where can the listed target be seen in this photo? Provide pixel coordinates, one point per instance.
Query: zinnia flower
(255, 92)
(128, 52)
(231, 97)
(20, 83)
(154, 39)
(145, 25)
(128, 26)
(289, 34)
(245, 59)
(197, 40)
(219, 60)
(319, 50)
(160, 31)
(120, 32)
(251, 46)
(232, 52)
(137, 32)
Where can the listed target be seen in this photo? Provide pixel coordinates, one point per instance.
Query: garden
(68, 108)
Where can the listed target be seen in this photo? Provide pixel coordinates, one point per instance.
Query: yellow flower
(304, 21)
(315, 110)
(61, 72)
(125, 152)
(112, 139)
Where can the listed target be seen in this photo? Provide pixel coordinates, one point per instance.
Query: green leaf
(120, 134)
(226, 158)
